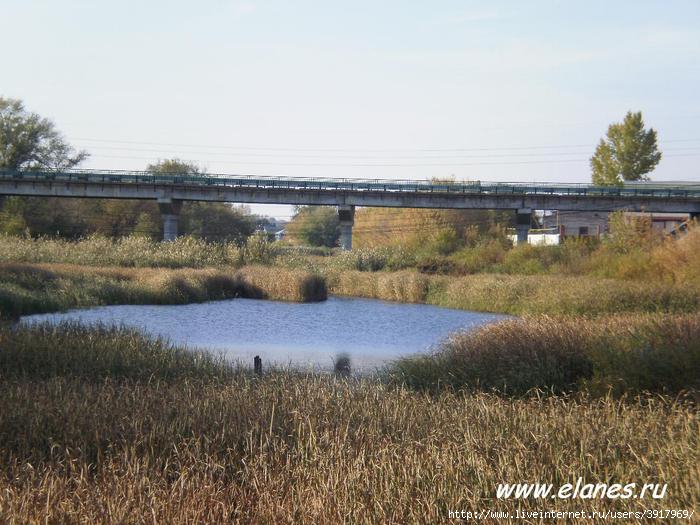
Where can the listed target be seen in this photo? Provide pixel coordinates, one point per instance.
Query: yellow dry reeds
(618, 355)
(32, 288)
(163, 439)
(518, 294)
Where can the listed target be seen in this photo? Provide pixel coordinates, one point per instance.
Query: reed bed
(265, 282)
(133, 251)
(144, 444)
(28, 288)
(518, 294)
(94, 353)
(618, 355)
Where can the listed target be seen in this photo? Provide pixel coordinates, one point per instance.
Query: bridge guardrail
(369, 185)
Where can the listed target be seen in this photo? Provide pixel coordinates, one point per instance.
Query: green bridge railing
(654, 190)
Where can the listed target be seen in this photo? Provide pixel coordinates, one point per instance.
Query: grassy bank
(32, 288)
(518, 294)
(29, 288)
(155, 436)
(624, 354)
(574, 279)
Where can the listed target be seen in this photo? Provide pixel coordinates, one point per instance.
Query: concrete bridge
(170, 189)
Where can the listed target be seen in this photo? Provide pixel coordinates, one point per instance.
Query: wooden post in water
(257, 365)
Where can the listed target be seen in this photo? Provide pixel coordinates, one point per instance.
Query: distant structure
(576, 223)
(273, 228)
(557, 226)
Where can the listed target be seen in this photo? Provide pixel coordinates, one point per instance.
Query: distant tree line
(30, 141)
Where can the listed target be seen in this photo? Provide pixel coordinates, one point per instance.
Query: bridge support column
(346, 215)
(170, 212)
(523, 220)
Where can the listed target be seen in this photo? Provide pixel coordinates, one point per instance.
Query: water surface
(371, 332)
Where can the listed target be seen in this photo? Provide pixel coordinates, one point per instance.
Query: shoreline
(43, 288)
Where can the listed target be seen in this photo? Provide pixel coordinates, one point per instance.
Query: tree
(30, 141)
(627, 153)
(315, 226)
(212, 221)
(176, 166)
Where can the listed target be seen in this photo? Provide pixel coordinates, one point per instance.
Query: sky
(491, 91)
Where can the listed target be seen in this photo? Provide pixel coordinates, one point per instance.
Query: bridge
(169, 190)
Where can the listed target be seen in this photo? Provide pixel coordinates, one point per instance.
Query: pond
(369, 331)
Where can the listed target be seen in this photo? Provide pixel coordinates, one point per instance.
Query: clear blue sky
(395, 89)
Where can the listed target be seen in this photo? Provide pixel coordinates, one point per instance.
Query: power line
(350, 150)
(377, 165)
(423, 157)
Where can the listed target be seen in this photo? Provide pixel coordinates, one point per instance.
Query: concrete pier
(170, 212)
(346, 215)
(523, 220)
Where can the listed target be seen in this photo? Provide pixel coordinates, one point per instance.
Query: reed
(134, 251)
(264, 282)
(518, 294)
(28, 288)
(94, 353)
(142, 435)
(615, 355)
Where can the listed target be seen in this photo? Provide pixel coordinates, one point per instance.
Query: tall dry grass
(134, 251)
(28, 288)
(570, 295)
(607, 355)
(148, 445)
(518, 294)
(94, 353)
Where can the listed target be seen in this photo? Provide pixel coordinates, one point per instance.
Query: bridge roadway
(170, 189)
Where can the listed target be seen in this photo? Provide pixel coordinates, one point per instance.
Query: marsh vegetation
(117, 427)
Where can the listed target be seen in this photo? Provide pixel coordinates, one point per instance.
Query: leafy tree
(12, 217)
(627, 153)
(216, 221)
(212, 221)
(29, 141)
(315, 226)
(177, 166)
(146, 226)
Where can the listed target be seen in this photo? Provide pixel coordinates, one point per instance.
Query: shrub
(484, 255)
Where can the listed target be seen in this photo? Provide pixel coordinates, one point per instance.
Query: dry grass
(28, 288)
(518, 294)
(616, 354)
(405, 286)
(289, 448)
(282, 284)
(185, 252)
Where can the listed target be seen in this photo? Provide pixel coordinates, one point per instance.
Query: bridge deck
(660, 191)
(168, 187)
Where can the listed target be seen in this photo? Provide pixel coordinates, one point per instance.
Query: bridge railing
(356, 185)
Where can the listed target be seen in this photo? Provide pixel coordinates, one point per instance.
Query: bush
(484, 255)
